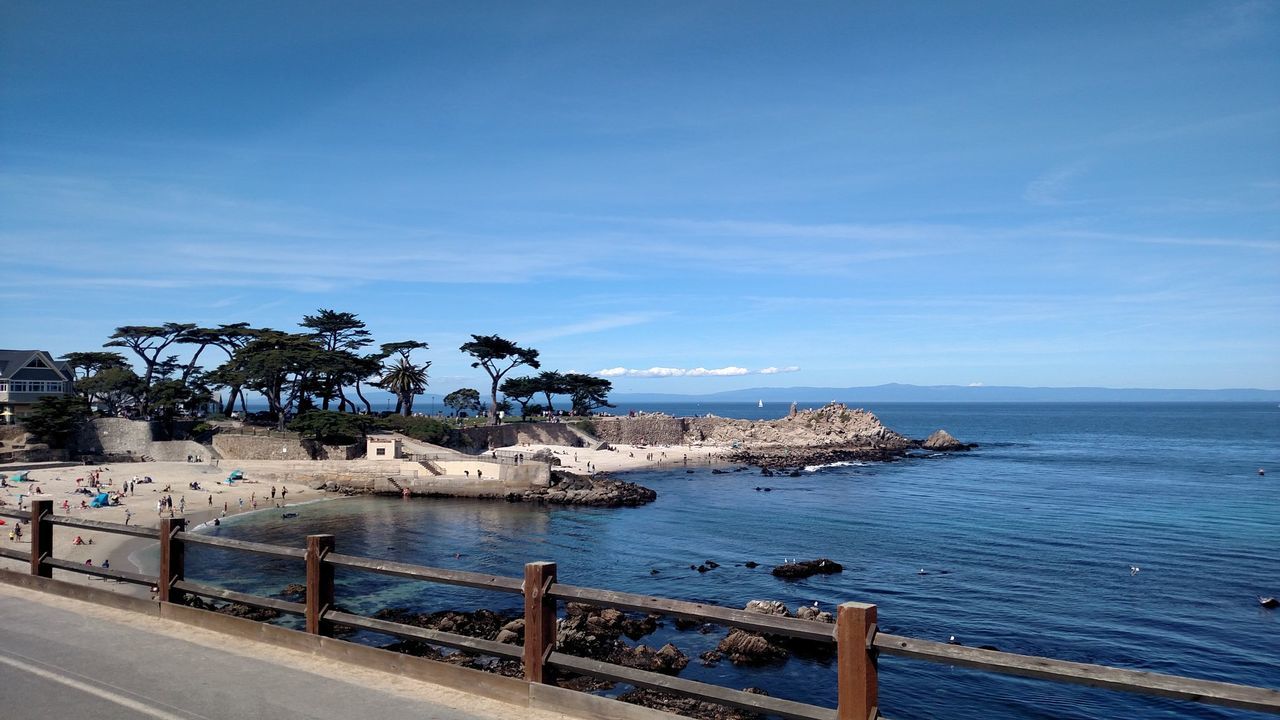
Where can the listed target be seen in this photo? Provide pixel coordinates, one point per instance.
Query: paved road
(66, 659)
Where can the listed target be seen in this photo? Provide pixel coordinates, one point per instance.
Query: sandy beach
(622, 458)
(58, 482)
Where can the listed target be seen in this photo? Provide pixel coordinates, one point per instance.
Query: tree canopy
(461, 400)
(522, 390)
(588, 392)
(498, 356)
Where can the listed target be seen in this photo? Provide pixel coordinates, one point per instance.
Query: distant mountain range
(896, 392)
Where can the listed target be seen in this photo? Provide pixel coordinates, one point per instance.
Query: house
(25, 377)
(380, 447)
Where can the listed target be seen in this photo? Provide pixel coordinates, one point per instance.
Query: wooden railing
(855, 635)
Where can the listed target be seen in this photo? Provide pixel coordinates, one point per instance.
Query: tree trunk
(368, 407)
(230, 406)
(493, 402)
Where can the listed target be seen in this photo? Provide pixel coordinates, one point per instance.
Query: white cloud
(776, 370)
(665, 372)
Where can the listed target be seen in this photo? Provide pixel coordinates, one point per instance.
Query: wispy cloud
(1228, 23)
(594, 325)
(668, 372)
(1173, 240)
(1050, 187)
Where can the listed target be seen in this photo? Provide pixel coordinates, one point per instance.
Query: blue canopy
(100, 500)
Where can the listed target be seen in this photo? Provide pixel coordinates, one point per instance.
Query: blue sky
(1070, 193)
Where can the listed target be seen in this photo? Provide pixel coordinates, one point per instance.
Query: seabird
(1134, 570)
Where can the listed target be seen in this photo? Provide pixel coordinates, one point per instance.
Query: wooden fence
(855, 636)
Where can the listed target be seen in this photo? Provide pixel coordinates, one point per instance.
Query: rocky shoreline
(571, 489)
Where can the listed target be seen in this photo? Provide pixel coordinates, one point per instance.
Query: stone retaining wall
(648, 429)
(136, 438)
(486, 437)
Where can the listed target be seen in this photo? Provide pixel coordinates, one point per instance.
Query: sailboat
(759, 403)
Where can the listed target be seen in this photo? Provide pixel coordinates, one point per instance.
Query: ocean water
(1027, 543)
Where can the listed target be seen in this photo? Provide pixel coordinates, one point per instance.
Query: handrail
(759, 622)
(854, 635)
(245, 545)
(1136, 681)
(238, 597)
(125, 575)
(14, 554)
(15, 514)
(691, 688)
(422, 572)
(134, 530)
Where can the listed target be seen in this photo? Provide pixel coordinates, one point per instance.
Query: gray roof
(11, 361)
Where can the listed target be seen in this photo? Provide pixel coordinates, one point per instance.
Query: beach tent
(20, 477)
(101, 500)
(235, 475)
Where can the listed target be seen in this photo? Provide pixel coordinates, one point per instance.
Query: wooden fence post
(539, 620)
(319, 584)
(855, 628)
(41, 537)
(173, 557)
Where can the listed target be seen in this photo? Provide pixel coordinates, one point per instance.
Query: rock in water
(768, 607)
(942, 440)
(807, 568)
(745, 648)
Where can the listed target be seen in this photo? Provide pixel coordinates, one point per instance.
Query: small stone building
(382, 447)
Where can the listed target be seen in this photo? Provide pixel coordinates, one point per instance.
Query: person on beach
(128, 515)
(182, 504)
(283, 491)
(273, 492)
(241, 501)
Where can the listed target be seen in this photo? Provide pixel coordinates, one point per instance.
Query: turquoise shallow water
(1027, 541)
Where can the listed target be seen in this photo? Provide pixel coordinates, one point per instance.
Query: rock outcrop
(830, 434)
(807, 568)
(570, 489)
(942, 440)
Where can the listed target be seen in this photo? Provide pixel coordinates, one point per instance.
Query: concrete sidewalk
(67, 658)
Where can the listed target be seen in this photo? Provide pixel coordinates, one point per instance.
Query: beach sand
(58, 483)
(622, 458)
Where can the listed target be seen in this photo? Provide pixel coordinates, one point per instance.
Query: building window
(36, 386)
(380, 451)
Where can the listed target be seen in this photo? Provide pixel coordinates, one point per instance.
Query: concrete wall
(531, 474)
(113, 436)
(520, 433)
(234, 446)
(118, 436)
(650, 430)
